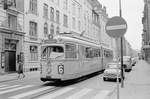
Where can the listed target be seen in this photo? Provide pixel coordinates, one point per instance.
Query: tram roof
(77, 40)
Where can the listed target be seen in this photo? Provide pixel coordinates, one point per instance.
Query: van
(127, 63)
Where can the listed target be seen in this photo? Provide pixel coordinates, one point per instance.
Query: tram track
(46, 92)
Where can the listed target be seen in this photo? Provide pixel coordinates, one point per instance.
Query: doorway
(10, 61)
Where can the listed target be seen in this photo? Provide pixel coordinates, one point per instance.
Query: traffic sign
(116, 27)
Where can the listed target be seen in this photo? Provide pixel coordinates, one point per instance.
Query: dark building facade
(146, 31)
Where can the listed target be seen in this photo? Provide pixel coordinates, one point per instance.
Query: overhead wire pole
(121, 48)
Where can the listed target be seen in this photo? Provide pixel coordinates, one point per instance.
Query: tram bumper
(49, 78)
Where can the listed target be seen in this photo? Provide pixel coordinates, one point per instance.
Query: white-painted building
(105, 39)
(11, 34)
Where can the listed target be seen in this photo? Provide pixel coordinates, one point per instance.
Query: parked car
(113, 69)
(127, 63)
(134, 60)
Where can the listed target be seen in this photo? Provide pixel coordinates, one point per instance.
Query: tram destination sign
(116, 27)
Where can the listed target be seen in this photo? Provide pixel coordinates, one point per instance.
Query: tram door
(10, 61)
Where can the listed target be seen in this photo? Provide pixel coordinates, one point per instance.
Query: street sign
(116, 27)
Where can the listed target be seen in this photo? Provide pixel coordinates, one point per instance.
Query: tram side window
(107, 53)
(99, 52)
(88, 52)
(71, 50)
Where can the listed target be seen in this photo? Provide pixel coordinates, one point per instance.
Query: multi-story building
(53, 17)
(11, 34)
(146, 31)
(105, 39)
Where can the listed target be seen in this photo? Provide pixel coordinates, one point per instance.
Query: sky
(132, 12)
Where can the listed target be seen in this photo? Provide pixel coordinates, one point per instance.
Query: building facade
(146, 31)
(11, 34)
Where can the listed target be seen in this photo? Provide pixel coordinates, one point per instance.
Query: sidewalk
(137, 83)
(13, 76)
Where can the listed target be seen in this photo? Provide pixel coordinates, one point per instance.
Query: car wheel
(104, 78)
(119, 79)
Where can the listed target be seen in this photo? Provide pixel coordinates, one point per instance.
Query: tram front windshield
(52, 52)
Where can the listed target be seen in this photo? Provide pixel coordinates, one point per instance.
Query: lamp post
(121, 48)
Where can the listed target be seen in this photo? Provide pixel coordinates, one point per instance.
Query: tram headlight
(60, 69)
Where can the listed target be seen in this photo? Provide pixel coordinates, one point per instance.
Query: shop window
(34, 53)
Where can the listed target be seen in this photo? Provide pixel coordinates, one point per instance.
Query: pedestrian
(20, 69)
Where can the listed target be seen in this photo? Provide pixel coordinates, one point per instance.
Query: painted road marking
(9, 87)
(3, 86)
(116, 27)
(79, 94)
(102, 94)
(56, 93)
(30, 93)
(11, 90)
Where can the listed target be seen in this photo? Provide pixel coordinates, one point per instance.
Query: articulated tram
(66, 58)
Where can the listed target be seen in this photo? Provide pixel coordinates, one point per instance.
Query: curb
(8, 80)
(14, 77)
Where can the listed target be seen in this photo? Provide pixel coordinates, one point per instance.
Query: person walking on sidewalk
(20, 69)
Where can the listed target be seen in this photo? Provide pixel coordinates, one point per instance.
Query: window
(12, 22)
(79, 25)
(66, 4)
(52, 29)
(57, 30)
(10, 44)
(73, 23)
(57, 2)
(33, 6)
(33, 29)
(88, 52)
(45, 29)
(52, 0)
(45, 10)
(79, 11)
(33, 53)
(65, 20)
(70, 50)
(13, 3)
(52, 14)
(92, 52)
(57, 16)
(73, 9)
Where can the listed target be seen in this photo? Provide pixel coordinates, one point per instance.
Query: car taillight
(41, 68)
(60, 69)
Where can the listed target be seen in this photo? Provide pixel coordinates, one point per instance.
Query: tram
(66, 58)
